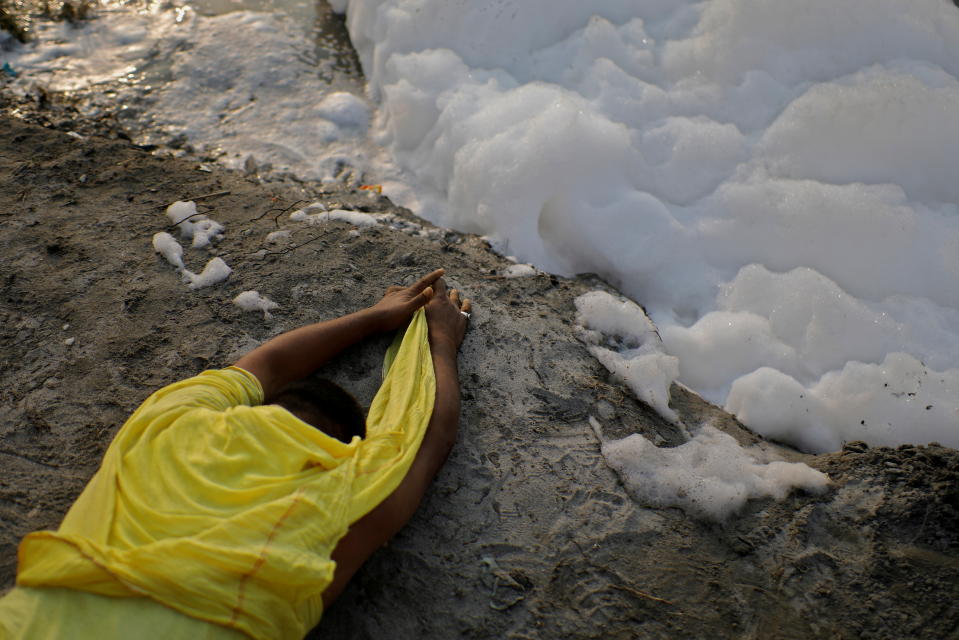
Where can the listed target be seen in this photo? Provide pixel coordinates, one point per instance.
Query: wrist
(372, 319)
(443, 347)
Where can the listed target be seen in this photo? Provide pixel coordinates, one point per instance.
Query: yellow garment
(43, 613)
(229, 512)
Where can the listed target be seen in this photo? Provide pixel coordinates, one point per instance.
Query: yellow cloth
(46, 613)
(226, 511)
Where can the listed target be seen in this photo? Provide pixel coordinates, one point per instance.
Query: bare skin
(298, 353)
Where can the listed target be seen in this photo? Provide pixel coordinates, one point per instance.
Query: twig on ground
(923, 525)
(281, 212)
(192, 215)
(641, 594)
(758, 588)
(210, 195)
(291, 249)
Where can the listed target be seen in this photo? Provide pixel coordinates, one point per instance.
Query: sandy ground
(526, 533)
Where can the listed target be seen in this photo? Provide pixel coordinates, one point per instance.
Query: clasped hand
(444, 310)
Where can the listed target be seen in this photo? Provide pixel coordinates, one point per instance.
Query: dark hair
(324, 405)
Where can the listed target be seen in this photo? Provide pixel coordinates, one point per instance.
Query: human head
(324, 405)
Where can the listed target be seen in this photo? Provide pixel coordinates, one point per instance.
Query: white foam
(193, 226)
(356, 218)
(65, 57)
(710, 476)
(247, 86)
(215, 272)
(308, 213)
(773, 182)
(277, 237)
(520, 271)
(897, 399)
(167, 246)
(624, 340)
(253, 301)
(345, 110)
(239, 85)
(782, 346)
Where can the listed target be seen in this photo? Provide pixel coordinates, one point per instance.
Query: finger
(422, 297)
(440, 288)
(427, 280)
(455, 297)
(466, 306)
(394, 288)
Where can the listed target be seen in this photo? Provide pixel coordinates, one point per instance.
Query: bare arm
(298, 353)
(447, 326)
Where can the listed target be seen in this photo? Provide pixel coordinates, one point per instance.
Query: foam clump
(620, 335)
(276, 237)
(196, 227)
(356, 218)
(520, 271)
(308, 213)
(798, 359)
(709, 476)
(861, 401)
(215, 272)
(167, 246)
(253, 301)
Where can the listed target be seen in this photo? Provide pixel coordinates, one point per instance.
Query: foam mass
(620, 335)
(709, 476)
(772, 181)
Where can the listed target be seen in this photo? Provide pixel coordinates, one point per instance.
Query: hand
(445, 315)
(399, 303)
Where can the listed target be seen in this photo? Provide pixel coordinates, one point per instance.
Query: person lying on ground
(216, 514)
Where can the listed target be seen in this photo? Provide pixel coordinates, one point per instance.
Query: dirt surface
(526, 533)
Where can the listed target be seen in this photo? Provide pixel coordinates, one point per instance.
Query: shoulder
(215, 389)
